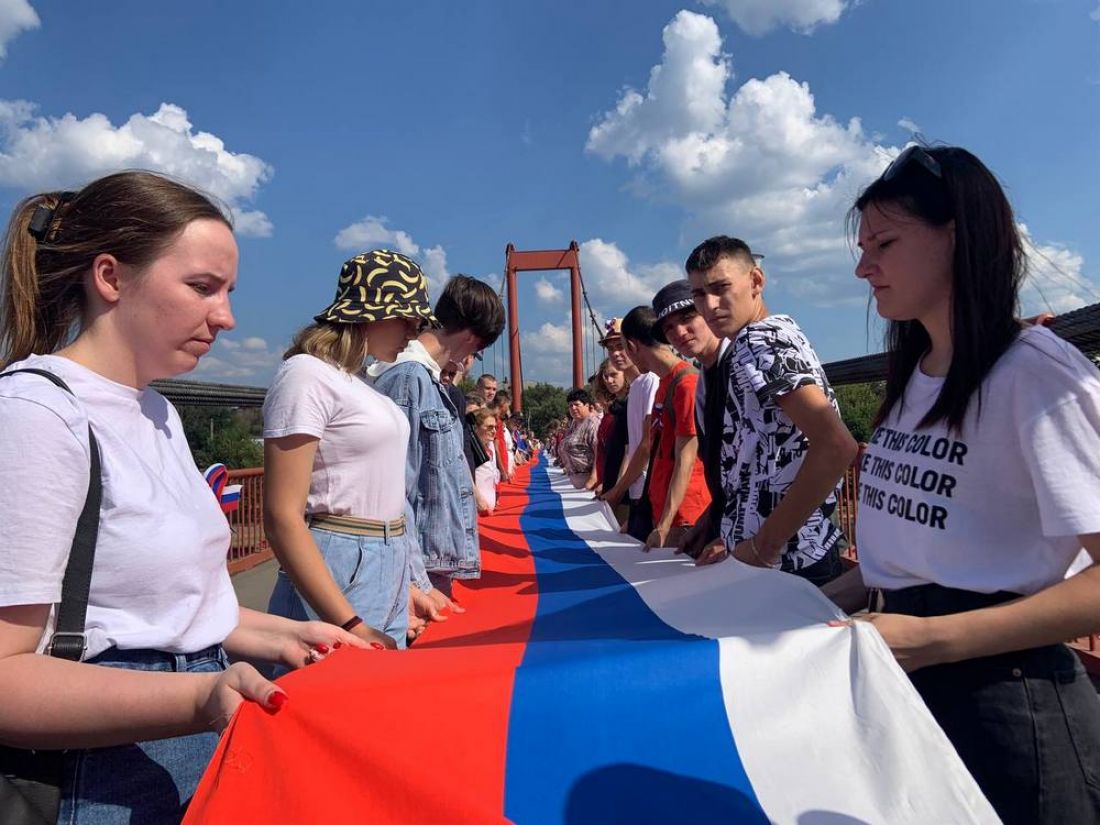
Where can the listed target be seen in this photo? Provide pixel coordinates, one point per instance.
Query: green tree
(858, 405)
(224, 435)
(542, 403)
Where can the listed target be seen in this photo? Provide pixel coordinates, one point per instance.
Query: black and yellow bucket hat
(377, 285)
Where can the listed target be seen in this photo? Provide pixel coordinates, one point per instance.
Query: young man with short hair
(677, 489)
(784, 447)
(487, 386)
(688, 333)
(438, 484)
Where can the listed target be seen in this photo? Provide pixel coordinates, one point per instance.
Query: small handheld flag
(228, 495)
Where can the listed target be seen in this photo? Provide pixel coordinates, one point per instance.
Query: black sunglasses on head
(913, 154)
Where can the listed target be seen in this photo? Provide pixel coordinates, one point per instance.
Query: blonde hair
(342, 345)
(132, 215)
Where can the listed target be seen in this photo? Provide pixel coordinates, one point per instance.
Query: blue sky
(636, 127)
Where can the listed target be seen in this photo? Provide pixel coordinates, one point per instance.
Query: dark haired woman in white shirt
(979, 488)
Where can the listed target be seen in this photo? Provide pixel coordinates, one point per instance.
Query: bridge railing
(248, 546)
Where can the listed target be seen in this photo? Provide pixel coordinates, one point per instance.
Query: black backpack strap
(68, 640)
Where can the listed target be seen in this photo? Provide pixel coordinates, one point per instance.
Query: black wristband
(354, 621)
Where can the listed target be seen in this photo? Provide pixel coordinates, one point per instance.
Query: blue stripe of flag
(616, 717)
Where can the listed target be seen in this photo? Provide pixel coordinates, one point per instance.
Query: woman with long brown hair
(611, 387)
(105, 290)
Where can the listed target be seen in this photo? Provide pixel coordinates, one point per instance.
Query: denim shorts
(373, 573)
(1025, 723)
(144, 783)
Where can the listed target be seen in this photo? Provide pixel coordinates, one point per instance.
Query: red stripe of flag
(393, 737)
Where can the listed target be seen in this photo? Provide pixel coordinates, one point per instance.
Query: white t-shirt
(639, 404)
(487, 476)
(999, 505)
(359, 468)
(159, 580)
(510, 443)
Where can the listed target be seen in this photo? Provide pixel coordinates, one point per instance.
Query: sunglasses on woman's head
(913, 154)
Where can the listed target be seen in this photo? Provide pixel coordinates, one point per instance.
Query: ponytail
(35, 313)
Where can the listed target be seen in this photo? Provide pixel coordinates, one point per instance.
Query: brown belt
(359, 526)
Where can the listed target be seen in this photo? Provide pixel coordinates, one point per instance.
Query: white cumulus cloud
(547, 292)
(548, 353)
(615, 285)
(1055, 280)
(16, 17)
(246, 360)
(757, 161)
(38, 153)
(910, 125)
(373, 232)
(758, 17)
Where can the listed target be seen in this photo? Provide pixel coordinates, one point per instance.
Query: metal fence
(248, 546)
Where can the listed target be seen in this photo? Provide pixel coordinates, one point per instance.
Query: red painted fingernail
(337, 645)
(321, 648)
(276, 701)
(378, 645)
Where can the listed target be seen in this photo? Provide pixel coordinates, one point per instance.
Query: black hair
(987, 270)
(638, 325)
(710, 251)
(579, 394)
(470, 304)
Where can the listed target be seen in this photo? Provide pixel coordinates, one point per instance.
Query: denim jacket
(437, 478)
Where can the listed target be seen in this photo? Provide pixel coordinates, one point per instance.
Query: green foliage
(224, 435)
(858, 405)
(542, 403)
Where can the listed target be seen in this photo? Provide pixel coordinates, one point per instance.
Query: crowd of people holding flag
(710, 428)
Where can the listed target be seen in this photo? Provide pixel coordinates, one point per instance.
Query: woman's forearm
(298, 555)
(52, 703)
(1066, 610)
(253, 636)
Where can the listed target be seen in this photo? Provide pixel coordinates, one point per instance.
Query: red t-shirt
(607, 424)
(696, 498)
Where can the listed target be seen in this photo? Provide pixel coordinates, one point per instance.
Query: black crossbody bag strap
(68, 641)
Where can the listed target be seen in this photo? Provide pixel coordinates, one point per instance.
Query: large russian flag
(591, 682)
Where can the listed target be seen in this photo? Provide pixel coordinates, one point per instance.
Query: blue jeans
(373, 573)
(144, 783)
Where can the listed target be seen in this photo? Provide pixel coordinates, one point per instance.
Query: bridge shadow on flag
(589, 682)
